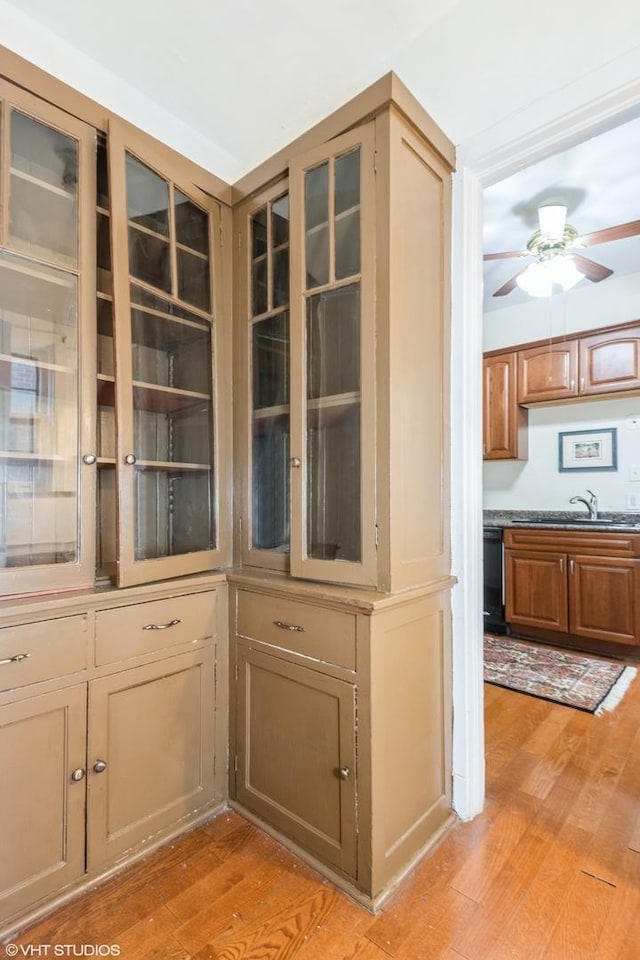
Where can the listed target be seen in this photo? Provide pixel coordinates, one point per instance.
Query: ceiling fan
(555, 246)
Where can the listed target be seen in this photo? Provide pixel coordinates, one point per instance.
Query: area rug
(572, 679)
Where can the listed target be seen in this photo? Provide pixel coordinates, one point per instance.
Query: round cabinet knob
(78, 775)
(89, 458)
(343, 773)
(130, 458)
(100, 766)
(295, 462)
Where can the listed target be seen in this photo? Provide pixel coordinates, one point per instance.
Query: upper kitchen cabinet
(342, 321)
(504, 421)
(548, 372)
(47, 346)
(172, 360)
(610, 361)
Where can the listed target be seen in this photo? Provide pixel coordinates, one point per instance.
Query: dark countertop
(561, 520)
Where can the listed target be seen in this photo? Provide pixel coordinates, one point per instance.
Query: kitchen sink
(599, 524)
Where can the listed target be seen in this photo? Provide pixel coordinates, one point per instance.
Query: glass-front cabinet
(47, 329)
(309, 348)
(168, 366)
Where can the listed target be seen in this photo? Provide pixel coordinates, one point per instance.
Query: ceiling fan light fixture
(540, 279)
(552, 219)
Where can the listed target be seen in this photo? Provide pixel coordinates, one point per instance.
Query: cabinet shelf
(38, 182)
(271, 413)
(164, 399)
(325, 411)
(139, 228)
(173, 466)
(15, 456)
(192, 252)
(7, 361)
(33, 290)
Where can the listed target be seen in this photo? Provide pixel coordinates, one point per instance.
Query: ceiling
(598, 180)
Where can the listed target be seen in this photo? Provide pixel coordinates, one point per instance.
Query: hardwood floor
(549, 871)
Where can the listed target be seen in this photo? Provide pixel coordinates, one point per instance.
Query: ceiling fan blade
(593, 271)
(509, 285)
(507, 255)
(631, 229)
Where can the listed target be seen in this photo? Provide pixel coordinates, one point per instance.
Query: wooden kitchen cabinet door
(504, 421)
(610, 362)
(536, 589)
(548, 372)
(42, 806)
(296, 754)
(604, 597)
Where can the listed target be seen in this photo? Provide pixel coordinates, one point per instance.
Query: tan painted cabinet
(342, 321)
(583, 585)
(112, 714)
(42, 804)
(504, 421)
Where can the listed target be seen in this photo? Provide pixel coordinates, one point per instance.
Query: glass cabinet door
(265, 244)
(333, 442)
(47, 317)
(166, 363)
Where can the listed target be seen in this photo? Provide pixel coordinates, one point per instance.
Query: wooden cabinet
(504, 421)
(548, 372)
(581, 584)
(340, 731)
(112, 714)
(342, 322)
(296, 754)
(42, 805)
(610, 361)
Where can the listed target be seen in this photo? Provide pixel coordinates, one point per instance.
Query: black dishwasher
(493, 581)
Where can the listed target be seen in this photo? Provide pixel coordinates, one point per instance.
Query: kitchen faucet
(591, 504)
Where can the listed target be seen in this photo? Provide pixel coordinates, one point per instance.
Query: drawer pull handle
(16, 658)
(288, 626)
(161, 626)
(343, 773)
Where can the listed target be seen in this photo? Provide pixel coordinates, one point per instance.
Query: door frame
(474, 174)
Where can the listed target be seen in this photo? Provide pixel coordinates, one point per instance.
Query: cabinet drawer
(140, 628)
(328, 635)
(51, 648)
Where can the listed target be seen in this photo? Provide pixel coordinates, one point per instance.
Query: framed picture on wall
(588, 450)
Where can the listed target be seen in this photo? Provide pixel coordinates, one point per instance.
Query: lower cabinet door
(605, 599)
(151, 750)
(536, 589)
(296, 754)
(42, 801)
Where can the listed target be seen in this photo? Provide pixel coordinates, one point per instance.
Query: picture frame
(592, 450)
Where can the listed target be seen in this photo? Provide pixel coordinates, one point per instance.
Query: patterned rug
(572, 679)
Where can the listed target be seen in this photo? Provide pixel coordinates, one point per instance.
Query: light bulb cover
(540, 278)
(552, 219)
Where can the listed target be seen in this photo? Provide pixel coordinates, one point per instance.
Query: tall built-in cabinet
(118, 264)
(340, 719)
(114, 473)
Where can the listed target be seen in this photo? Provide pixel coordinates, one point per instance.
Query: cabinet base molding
(372, 904)
(619, 651)
(91, 880)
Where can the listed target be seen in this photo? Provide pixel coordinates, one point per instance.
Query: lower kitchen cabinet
(341, 723)
(583, 587)
(112, 712)
(42, 802)
(296, 754)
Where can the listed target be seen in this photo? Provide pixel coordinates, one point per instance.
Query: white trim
(475, 172)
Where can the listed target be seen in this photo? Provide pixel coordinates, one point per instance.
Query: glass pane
(147, 198)
(333, 342)
(192, 224)
(333, 482)
(347, 250)
(281, 277)
(172, 425)
(149, 259)
(270, 483)
(174, 512)
(193, 279)
(270, 447)
(271, 362)
(347, 185)
(316, 197)
(280, 221)
(43, 208)
(259, 290)
(38, 414)
(106, 363)
(103, 174)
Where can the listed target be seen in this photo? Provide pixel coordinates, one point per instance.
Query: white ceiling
(598, 180)
(229, 82)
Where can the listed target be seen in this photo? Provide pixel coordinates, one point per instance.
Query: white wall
(537, 484)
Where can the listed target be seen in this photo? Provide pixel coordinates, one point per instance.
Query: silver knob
(77, 775)
(100, 766)
(295, 462)
(343, 773)
(89, 458)
(130, 458)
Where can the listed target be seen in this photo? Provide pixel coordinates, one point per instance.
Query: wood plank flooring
(549, 871)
